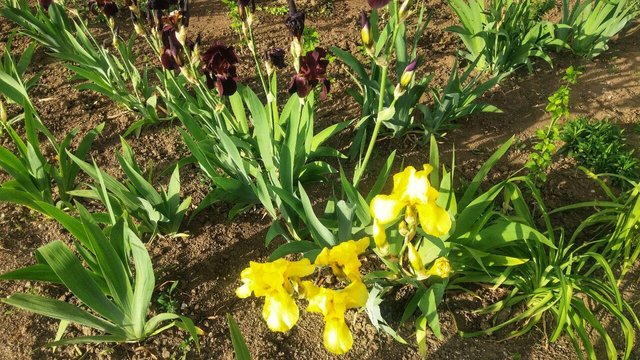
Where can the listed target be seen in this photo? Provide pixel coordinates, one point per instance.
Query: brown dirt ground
(208, 263)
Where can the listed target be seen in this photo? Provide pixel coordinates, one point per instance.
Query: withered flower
(275, 56)
(295, 21)
(218, 64)
(313, 71)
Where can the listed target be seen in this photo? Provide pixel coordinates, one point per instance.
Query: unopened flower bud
(188, 74)
(414, 259)
(407, 75)
(138, 29)
(404, 9)
(405, 79)
(249, 19)
(410, 216)
(181, 35)
(3, 112)
(441, 268)
(365, 33)
(296, 52)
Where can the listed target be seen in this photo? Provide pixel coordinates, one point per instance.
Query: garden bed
(207, 263)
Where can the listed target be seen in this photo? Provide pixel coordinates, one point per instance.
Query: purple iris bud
(45, 4)
(184, 11)
(376, 4)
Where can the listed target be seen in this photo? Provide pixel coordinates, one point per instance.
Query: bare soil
(207, 264)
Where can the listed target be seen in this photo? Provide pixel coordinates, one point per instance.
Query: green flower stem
(252, 48)
(383, 88)
(360, 171)
(274, 106)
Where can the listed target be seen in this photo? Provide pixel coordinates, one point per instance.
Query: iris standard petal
(385, 208)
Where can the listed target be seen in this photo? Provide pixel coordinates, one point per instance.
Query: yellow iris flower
(333, 304)
(273, 280)
(343, 258)
(411, 190)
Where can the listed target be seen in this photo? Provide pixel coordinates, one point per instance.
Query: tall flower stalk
(383, 114)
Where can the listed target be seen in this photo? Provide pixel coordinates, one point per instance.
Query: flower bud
(407, 75)
(3, 112)
(440, 268)
(188, 74)
(405, 79)
(181, 35)
(414, 259)
(404, 9)
(410, 216)
(296, 52)
(365, 33)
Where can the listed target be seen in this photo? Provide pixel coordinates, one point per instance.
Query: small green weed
(600, 146)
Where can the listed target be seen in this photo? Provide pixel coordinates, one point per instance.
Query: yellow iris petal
(434, 220)
(379, 235)
(414, 258)
(412, 186)
(343, 258)
(280, 312)
(385, 208)
(337, 336)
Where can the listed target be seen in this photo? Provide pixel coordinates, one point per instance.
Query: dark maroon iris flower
(110, 9)
(276, 57)
(376, 4)
(219, 66)
(313, 71)
(171, 56)
(45, 4)
(160, 4)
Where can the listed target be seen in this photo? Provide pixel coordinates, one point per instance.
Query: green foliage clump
(503, 34)
(592, 23)
(600, 146)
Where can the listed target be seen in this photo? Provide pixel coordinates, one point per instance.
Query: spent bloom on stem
(219, 66)
(411, 190)
(295, 21)
(333, 304)
(274, 281)
(274, 58)
(343, 258)
(313, 71)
